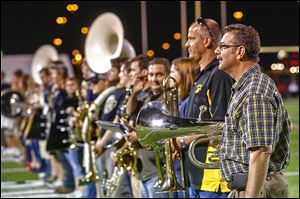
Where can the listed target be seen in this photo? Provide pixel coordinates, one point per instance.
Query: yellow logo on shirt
(198, 89)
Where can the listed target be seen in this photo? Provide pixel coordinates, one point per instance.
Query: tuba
(155, 125)
(91, 116)
(105, 41)
(42, 57)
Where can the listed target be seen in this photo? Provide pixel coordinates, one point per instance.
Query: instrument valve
(202, 109)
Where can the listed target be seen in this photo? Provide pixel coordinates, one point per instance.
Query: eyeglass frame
(225, 46)
(201, 21)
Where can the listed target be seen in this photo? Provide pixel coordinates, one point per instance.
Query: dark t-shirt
(111, 105)
(146, 168)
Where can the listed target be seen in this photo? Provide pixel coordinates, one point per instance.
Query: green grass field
(292, 106)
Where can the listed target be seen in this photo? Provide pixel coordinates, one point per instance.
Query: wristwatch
(182, 144)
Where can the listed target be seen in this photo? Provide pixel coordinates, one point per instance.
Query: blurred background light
(150, 53)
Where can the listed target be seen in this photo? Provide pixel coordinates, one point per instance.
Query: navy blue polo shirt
(212, 88)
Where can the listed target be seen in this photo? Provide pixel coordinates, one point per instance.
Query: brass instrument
(154, 125)
(89, 155)
(213, 158)
(171, 100)
(126, 159)
(42, 57)
(12, 103)
(81, 112)
(105, 41)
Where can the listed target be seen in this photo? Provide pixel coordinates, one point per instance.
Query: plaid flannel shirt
(255, 117)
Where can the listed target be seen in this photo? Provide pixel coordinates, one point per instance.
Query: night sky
(27, 25)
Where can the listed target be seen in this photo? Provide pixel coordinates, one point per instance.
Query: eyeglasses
(202, 22)
(225, 46)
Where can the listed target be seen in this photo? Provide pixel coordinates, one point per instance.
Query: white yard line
(10, 159)
(291, 173)
(29, 192)
(33, 184)
(3, 195)
(14, 182)
(14, 170)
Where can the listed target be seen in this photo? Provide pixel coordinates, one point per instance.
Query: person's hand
(138, 85)
(99, 148)
(72, 121)
(114, 158)
(70, 110)
(132, 137)
(175, 149)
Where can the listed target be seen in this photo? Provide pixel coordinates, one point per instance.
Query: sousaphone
(42, 57)
(105, 41)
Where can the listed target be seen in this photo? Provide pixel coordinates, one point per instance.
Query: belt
(272, 174)
(239, 180)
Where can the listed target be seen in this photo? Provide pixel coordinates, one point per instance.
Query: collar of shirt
(198, 72)
(252, 70)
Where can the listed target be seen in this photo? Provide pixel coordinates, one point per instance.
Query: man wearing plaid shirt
(255, 144)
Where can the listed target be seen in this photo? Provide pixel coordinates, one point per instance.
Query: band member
(113, 102)
(88, 75)
(8, 125)
(255, 144)
(182, 70)
(109, 113)
(58, 138)
(138, 75)
(158, 70)
(44, 74)
(212, 89)
(57, 103)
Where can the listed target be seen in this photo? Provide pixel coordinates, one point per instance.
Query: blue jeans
(46, 167)
(148, 191)
(28, 156)
(90, 191)
(69, 181)
(36, 149)
(72, 157)
(193, 193)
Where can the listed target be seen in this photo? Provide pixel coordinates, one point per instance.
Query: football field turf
(14, 172)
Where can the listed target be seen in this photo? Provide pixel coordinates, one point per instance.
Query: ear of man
(241, 53)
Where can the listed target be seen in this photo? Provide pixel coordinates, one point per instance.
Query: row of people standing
(256, 122)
